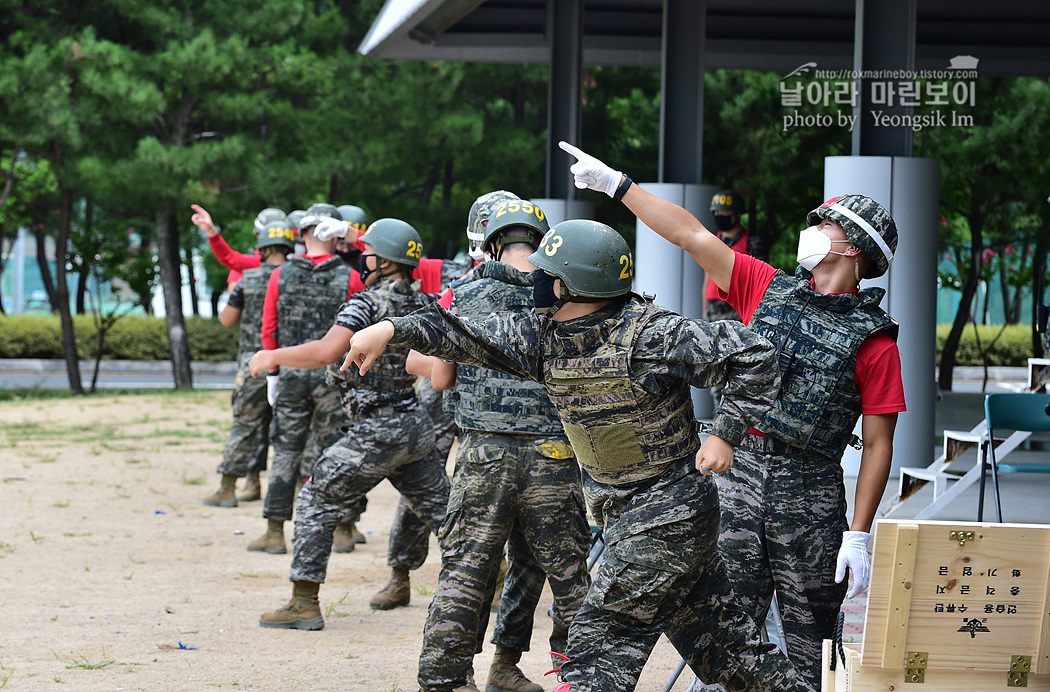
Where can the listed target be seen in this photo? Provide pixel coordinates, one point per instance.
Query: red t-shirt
(878, 372)
(269, 321)
(236, 262)
(739, 245)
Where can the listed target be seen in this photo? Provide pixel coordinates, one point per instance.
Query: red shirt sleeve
(233, 277)
(429, 274)
(747, 284)
(356, 284)
(237, 261)
(878, 375)
(445, 300)
(269, 321)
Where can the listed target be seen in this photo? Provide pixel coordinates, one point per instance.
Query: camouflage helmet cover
(266, 216)
(728, 200)
(516, 220)
(278, 232)
(590, 258)
(395, 240)
(295, 217)
(479, 215)
(867, 224)
(316, 212)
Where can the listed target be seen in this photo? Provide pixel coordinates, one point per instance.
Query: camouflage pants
(305, 407)
(661, 571)
(500, 479)
(249, 441)
(398, 447)
(782, 521)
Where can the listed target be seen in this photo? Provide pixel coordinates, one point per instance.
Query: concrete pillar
(884, 39)
(18, 273)
(910, 189)
(564, 36)
(669, 272)
(558, 210)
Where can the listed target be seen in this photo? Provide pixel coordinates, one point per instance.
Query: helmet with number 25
(395, 240)
(591, 259)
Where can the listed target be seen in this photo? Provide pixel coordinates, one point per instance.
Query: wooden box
(952, 606)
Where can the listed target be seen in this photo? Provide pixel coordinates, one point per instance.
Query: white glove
(854, 554)
(330, 228)
(589, 172)
(271, 388)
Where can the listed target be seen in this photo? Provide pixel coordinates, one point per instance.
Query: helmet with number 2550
(590, 258)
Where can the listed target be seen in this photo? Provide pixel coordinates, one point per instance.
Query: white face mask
(814, 246)
(477, 254)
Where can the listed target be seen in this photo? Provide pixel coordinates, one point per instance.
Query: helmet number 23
(414, 249)
(551, 243)
(627, 267)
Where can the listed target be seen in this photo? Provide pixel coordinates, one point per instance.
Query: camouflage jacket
(308, 298)
(249, 295)
(668, 350)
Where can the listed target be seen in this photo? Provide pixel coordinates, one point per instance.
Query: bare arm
(444, 375)
(230, 316)
(875, 461)
(313, 354)
(681, 228)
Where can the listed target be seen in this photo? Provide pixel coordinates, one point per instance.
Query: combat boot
(303, 612)
(359, 537)
(505, 676)
(252, 489)
(226, 496)
(397, 593)
(343, 539)
(272, 541)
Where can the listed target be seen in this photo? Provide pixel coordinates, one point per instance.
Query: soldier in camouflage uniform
(784, 522)
(390, 437)
(618, 368)
(250, 433)
(514, 466)
(302, 299)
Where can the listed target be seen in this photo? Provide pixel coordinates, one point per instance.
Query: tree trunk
(169, 259)
(82, 279)
(45, 269)
(215, 295)
(193, 283)
(951, 344)
(69, 342)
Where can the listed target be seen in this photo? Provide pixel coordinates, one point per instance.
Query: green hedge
(146, 338)
(133, 337)
(1013, 348)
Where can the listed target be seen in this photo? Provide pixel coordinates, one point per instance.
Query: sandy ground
(110, 565)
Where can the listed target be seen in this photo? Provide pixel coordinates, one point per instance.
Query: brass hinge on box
(915, 667)
(1018, 675)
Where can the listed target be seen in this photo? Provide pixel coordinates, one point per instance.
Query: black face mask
(363, 267)
(724, 223)
(348, 256)
(543, 295)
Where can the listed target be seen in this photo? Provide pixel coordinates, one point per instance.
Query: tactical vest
(253, 286)
(309, 297)
(817, 338)
(386, 382)
(620, 432)
(488, 400)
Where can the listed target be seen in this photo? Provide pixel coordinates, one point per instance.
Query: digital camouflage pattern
(622, 433)
(478, 218)
(783, 514)
(660, 535)
(817, 337)
(249, 441)
(499, 479)
(305, 408)
(390, 437)
(846, 210)
(308, 298)
(515, 479)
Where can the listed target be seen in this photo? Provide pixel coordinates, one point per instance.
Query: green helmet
(516, 221)
(395, 240)
(479, 215)
(276, 233)
(266, 216)
(590, 258)
(355, 216)
(316, 212)
(868, 225)
(728, 200)
(295, 217)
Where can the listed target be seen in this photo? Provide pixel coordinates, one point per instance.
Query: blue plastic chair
(1028, 412)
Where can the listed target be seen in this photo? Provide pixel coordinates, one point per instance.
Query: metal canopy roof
(1009, 37)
